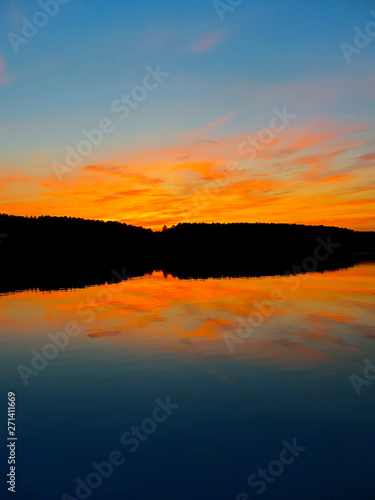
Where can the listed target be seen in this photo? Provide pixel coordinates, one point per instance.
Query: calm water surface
(156, 336)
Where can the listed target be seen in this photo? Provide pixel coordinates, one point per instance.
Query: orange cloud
(316, 173)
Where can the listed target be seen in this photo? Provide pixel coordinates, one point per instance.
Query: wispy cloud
(310, 169)
(207, 43)
(201, 132)
(4, 78)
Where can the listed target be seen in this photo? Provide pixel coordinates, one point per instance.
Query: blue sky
(259, 56)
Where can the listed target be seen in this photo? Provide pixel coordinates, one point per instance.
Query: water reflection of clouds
(328, 317)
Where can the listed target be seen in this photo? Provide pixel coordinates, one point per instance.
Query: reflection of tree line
(51, 252)
(293, 277)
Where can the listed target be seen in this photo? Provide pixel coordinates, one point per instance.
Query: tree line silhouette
(63, 252)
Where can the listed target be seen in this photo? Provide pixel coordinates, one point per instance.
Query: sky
(155, 113)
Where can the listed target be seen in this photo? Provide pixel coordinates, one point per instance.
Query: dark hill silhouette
(61, 252)
(242, 249)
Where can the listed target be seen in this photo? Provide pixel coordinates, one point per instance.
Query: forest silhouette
(61, 252)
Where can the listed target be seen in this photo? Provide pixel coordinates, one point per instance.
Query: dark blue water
(232, 413)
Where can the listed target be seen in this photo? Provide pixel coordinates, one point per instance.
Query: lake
(194, 389)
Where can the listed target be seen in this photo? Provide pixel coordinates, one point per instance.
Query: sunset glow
(164, 156)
